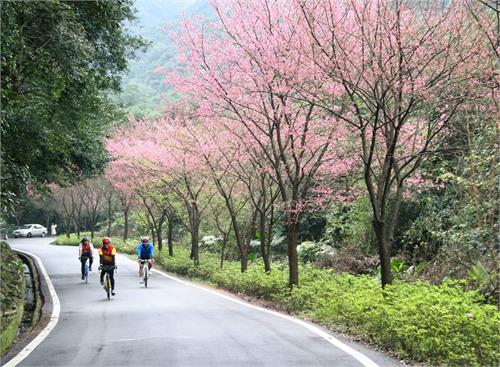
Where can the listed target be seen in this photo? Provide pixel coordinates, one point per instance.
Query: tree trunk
(263, 242)
(160, 239)
(384, 252)
(240, 241)
(125, 230)
(244, 261)
(109, 218)
(77, 229)
(153, 234)
(223, 250)
(170, 238)
(195, 250)
(292, 241)
(194, 229)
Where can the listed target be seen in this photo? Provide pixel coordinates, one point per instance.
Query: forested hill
(142, 88)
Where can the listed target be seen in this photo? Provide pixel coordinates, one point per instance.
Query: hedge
(127, 247)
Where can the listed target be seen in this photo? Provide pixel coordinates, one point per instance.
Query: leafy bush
(308, 251)
(433, 324)
(128, 247)
(73, 239)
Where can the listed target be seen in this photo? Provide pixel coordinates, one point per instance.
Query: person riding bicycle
(85, 251)
(145, 251)
(107, 260)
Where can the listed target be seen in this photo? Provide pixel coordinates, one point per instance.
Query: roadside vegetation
(12, 290)
(434, 324)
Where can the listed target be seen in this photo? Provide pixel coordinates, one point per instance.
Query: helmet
(85, 239)
(144, 239)
(106, 240)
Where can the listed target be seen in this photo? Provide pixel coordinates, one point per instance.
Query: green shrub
(308, 251)
(127, 247)
(73, 239)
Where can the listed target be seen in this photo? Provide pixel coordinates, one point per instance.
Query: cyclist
(107, 260)
(85, 251)
(145, 251)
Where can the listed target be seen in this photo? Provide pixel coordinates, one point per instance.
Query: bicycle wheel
(86, 272)
(108, 286)
(146, 271)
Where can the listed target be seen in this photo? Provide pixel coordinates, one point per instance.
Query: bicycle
(145, 269)
(86, 272)
(107, 280)
(85, 269)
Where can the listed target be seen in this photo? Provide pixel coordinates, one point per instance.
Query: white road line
(54, 317)
(364, 360)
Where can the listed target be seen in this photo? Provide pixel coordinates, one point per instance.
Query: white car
(29, 230)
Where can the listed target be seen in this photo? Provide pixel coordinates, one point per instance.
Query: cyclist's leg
(102, 275)
(91, 260)
(141, 269)
(83, 260)
(111, 273)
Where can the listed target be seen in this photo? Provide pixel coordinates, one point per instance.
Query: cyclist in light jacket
(145, 251)
(85, 251)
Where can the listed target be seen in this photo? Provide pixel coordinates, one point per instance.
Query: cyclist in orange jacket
(107, 260)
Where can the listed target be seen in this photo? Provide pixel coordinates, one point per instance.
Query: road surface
(170, 323)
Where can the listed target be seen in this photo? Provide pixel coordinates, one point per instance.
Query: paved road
(168, 324)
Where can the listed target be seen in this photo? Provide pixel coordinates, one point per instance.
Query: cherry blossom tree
(158, 151)
(397, 73)
(244, 72)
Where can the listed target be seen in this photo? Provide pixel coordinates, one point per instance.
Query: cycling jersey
(145, 252)
(86, 249)
(107, 255)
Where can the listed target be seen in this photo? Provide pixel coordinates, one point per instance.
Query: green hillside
(142, 88)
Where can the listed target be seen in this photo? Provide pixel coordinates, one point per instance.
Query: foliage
(12, 289)
(60, 60)
(351, 224)
(309, 251)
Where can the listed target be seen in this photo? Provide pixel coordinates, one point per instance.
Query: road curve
(170, 323)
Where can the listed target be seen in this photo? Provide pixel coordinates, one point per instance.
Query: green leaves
(60, 60)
